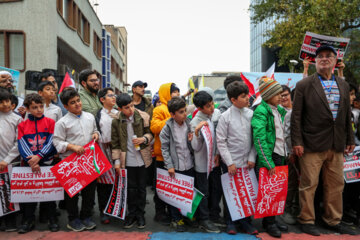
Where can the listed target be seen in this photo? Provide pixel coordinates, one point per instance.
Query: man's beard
(92, 90)
(9, 89)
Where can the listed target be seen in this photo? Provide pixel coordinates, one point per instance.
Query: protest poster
(77, 171)
(177, 192)
(272, 192)
(240, 192)
(197, 197)
(207, 133)
(6, 206)
(116, 206)
(27, 186)
(313, 41)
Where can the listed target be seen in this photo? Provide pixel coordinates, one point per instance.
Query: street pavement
(155, 231)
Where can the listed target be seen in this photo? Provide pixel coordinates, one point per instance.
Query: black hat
(325, 47)
(139, 83)
(174, 88)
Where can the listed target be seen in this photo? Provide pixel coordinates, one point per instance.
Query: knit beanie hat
(174, 88)
(269, 88)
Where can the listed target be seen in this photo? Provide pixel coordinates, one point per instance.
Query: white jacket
(8, 136)
(234, 137)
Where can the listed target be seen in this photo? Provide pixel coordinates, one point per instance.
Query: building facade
(52, 35)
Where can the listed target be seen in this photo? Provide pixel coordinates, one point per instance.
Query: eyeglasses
(284, 95)
(94, 80)
(327, 56)
(111, 95)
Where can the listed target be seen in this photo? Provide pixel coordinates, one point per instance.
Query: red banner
(272, 192)
(77, 171)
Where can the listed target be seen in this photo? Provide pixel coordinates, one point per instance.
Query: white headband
(5, 73)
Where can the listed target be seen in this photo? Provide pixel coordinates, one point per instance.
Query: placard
(6, 206)
(116, 206)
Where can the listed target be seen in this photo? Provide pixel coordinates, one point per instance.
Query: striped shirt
(332, 95)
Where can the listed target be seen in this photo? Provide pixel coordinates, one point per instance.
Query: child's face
(48, 93)
(128, 110)
(13, 106)
(5, 106)
(36, 109)
(285, 99)
(352, 96)
(179, 116)
(241, 101)
(208, 108)
(109, 100)
(275, 100)
(175, 94)
(74, 105)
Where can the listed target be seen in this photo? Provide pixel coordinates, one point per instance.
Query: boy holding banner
(176, 149)
(36, 148)
(204, 102)
(268, 137)
(72, 132)
(8, 145)
(130, 141)
(234, 130)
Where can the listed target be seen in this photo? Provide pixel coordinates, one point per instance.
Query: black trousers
(28, 210)
(202, 184)
(160, 205)
(103, 193)
(216, 191)
(87, 203)
(174, 212)
(136, 192)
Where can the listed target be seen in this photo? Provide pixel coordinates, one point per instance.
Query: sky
(172, 40)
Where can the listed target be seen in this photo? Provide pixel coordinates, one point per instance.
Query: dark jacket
(148, 106)
(312, 124)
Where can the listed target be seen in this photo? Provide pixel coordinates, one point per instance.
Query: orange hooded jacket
(160, 116)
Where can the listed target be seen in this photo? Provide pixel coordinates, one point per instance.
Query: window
(12, 49)
(97, 45)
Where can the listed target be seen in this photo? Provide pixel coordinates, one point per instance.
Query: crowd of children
(243, 138)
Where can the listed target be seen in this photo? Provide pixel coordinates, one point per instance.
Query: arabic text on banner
(116, 206)
(207, 133)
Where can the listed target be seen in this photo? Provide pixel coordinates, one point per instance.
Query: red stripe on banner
(248, 83)
(175, 189)
(35, 184)
(242, 192)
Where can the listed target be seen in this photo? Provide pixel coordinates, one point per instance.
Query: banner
(177, 192)
(313, 41)
(240, 192)
(27, 186)
(77, 171)
(108, 177)
(207, 133)
(352, 166)
(272, 192)
(116, 206)
(6, 206)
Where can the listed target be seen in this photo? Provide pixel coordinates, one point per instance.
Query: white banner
(27, 186)
(207, 133)
(240, 192)
(116, 206)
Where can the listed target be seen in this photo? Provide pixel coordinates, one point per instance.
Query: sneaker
(347, 220)
(231, 229)
(191, 222)
(179, 225)
(27, 226)
(288, 218)
(105, 219)
(10, 226)
(282, 227)
(141, 222)
(53, 225)
(89, 223)
(310, 229)
(208, 226)
(248, 227)
(273, 230)
(342, 229)
(129, 222)
(219, 222)
(76, 225)
(162, 218)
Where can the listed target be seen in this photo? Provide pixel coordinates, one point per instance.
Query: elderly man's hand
(349, 149)
(298, 150)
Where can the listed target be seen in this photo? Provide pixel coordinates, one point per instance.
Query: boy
(160, 116)
(72, 132)
(268, 137)
(130, 140)
(36, 148)
(234, 130)
(8, 145)
(47, 91)
(204, 102)
(104, 118)
(176, 149)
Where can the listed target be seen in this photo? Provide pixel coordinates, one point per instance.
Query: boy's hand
(199, 126)
(298, 150)
(171, 172)
(95, 136)
(138, 141)
(272, 172)
(251, 164)
(34, 160)
(3, 165)
(36, 168)
(190, 136)
(217, 160)
(78, 149)
(232, 169)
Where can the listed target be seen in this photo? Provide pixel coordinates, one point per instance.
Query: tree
(292, 18)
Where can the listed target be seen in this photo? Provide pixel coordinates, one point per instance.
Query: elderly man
(6, 82)
(321, 132)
